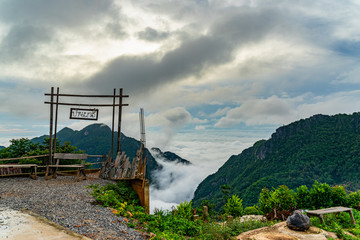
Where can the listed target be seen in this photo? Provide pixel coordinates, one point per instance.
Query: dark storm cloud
(192, 57)
(68, 13)
(35, 22)
(21, 41)
(143, 72)
(152, 35)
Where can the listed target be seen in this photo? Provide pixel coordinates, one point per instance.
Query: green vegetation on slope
(323, 148)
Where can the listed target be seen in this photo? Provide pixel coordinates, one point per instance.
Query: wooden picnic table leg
(321, 218)
(352, 217)
(33, 172)
(47, 177)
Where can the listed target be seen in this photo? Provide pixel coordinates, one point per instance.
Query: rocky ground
(67, 203)
(281, 232)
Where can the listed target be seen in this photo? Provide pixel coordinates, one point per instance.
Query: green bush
(320, 195)
(339, 196)
(252, 211)
(120, 196)
(184, 209)
(303, 198)
(234, 206)
(265, 203)
(353, 199)
(283, 198)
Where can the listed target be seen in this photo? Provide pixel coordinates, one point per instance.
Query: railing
(27, 157)
(19, 172)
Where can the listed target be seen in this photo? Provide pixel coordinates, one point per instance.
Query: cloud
(257, 111)
(65, 13)
(172, 118)
(40, 24)
(22, 41)
(150, 34)
(277, 111)
(177, 183)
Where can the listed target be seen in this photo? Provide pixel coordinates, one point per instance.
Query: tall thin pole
(56, 117)
(118, 149)
(142, 127)
(113, 122)
(51, 124)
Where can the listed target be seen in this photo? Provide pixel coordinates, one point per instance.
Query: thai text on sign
(84, 114)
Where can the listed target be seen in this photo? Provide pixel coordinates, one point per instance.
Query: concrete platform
(16, 225)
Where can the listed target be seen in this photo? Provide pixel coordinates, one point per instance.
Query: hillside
(96, 139)
(323, 148)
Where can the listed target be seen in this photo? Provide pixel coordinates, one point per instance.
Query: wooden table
(320, 212)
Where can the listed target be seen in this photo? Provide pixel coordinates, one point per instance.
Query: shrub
(252, 211)
(353, 199)
(284, 198)
(303, 198)
(234, 206)
(184, 210)
(265, 203)
(320, 195)
(338, 196)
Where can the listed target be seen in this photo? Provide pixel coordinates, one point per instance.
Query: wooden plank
(70, 156)
(18, 166)
(66, 166)
(19, 158)
(329, 210)
(320, 212)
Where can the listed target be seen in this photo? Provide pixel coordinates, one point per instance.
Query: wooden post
(118, 149)
(56, 116)
(142, 191)
(51, 125)
(205, 213)
(112, 124)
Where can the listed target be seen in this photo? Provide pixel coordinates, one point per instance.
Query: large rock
(298, 221)
(280, 231)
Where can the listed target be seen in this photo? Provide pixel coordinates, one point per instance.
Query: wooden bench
(320, 213)
(33, 167)
(51, 170)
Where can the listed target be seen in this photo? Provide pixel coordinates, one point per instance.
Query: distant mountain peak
(169, 156)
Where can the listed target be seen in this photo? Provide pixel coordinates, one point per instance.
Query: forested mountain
(322, 148)
(169, 156)
(95, 139)
(1, 147)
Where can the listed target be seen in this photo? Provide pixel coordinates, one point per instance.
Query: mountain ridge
(322, 147)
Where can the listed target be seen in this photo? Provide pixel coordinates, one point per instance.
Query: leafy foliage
(176, 224)
(234, 206)
(184, 210)
(320, 195)
(24, 147)
(254, 210)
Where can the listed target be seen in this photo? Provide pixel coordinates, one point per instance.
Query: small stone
(298, 221)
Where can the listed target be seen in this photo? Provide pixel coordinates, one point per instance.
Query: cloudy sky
(213, 76)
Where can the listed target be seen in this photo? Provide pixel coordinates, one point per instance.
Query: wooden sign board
(84, 114)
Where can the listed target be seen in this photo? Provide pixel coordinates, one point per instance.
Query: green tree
(234, 206)
(303, 198)
(320, 195)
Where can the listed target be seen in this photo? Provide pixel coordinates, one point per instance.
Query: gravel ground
(66, 202)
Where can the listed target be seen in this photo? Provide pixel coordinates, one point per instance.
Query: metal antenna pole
(142, 127)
